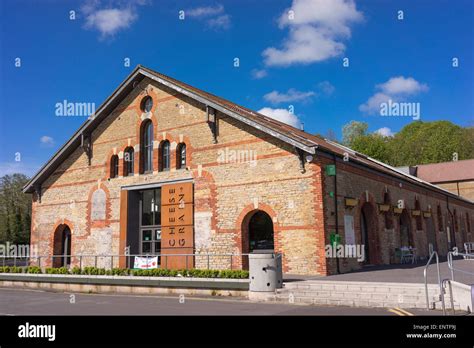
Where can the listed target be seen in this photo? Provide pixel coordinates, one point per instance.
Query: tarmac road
(35, 302)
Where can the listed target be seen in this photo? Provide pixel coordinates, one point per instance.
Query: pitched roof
(446, 171)
(291, 135)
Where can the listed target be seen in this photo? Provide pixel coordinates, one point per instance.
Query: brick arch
(159, 158)
(136, 104)
(108, 210)
(108, 162)
(140, 128)
(124, 146)
(56, 239)
(243, 219)
(369, 207)
(189, 151)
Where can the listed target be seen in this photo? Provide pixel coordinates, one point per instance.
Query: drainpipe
(451, 220)
(336, 212)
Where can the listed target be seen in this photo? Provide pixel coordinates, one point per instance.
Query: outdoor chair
(405, 254)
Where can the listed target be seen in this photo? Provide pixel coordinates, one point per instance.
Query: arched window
(181, 156)
(440, 219)
(419, 224)
(146, 143)
(146, 104)
(114, 166)
(128, 161)
(388, 214)
(165, 155)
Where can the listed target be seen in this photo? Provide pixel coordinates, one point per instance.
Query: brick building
(163, 167)
(455, 176)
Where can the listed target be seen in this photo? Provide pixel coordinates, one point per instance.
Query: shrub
(33, 270)
(157, 272)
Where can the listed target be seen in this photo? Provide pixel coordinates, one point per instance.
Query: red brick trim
(54, 238)
(108, 211)
(203, 182)
(243, 219)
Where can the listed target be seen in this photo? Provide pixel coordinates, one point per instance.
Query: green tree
(373, 145)
(430, 142)
(15, 209)
(353, 130)
(416, 143)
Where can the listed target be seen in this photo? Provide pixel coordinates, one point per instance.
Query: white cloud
(385, 131)
(47, 140)
(204, 11)
(395, 89)
(402, 85)
(259, 73)
(315, 33)
(282, 115)
(221, 22)
(108, 21)
(215, 16)
(372, 105)
(292, 95)
(326, 87)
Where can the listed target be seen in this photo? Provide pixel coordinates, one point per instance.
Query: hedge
(157, 272)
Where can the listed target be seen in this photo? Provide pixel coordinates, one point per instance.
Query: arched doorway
(257, 234)
(62, 246)
(368, 231)
(260, 229)
(406, 239)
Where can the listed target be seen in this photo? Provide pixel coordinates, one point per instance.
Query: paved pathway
(406, 273)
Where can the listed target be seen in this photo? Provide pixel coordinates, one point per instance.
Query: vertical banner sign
(177, 231)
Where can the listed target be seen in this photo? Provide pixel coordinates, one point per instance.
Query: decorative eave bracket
(86, 144)
(38, 192)
(212, 122)
(301, 157)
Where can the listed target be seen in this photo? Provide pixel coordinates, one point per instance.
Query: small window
(128, 158)
(147, 104)
(114, 166)
(165, 155)
(181, 156)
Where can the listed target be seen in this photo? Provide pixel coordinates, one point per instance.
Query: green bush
(157, 272)
(33, 270)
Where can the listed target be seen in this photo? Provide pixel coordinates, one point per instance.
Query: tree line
(417, 143)
(15, 210)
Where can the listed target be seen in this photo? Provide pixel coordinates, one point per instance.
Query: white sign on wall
(349, 229)
(146, 262)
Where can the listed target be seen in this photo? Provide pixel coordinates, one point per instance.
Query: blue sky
(283, 61)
